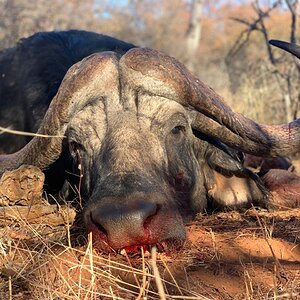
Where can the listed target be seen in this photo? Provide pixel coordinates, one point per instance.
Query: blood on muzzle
(119, 223)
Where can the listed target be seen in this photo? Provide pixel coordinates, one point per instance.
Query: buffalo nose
(125, 224)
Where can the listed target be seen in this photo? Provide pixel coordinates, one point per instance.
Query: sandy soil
(246, 256)
(228, 255)
(231, 255)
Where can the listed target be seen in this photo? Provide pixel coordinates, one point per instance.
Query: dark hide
(284, 187)
(262, 165)
(31, 73)
(145, 171)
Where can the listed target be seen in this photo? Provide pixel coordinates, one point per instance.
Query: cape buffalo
(154, 144)
(261, 165)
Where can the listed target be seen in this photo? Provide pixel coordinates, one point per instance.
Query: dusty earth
(253, 254)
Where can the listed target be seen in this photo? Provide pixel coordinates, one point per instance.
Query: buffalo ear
(228, 182)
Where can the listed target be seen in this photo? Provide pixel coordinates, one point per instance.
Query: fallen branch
(281, 214)
(23, 186)
(25, 133)
(21, 200)
(51, 215)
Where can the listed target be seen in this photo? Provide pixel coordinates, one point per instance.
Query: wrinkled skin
(31, 74)
(142, 183)
(131, 122)
(146, 179)
(148, 173)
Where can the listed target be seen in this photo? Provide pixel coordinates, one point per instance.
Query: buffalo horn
(94, 77)
(289, 47)
(151, 71)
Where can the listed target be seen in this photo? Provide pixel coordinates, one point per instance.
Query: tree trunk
(288, 107)
(193, 34)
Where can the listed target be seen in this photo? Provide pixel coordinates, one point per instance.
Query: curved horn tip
(289, 47)
(273, 42)
(278, 43)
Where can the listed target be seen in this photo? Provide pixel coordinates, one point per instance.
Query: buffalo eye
(177, 130)
(75, 148)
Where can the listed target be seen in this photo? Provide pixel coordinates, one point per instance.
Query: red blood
(179, 177)
(290, 130)
(135, 248)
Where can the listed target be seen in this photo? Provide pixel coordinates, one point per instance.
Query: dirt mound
(228, 255)
(253, 255)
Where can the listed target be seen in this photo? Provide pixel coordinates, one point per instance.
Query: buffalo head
(149, 140)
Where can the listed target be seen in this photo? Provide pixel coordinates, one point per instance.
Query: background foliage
(232, 55)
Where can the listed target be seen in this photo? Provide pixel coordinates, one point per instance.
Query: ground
(254, 254)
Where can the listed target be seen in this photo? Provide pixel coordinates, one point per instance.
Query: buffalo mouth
(102, 243)
(137, 226)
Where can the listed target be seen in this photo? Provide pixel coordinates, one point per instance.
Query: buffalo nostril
(98, 225)
(125, 223)
(150, 217)
(147, 211)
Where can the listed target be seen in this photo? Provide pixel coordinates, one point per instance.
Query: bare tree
(293, 5)
(193, 34)
(22, 18)
(287, 78)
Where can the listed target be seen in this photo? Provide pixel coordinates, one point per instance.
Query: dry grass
(228, 256)
(25, 133)
(46, 267)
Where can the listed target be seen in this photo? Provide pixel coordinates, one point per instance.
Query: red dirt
(228, 255)
(254, 255)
